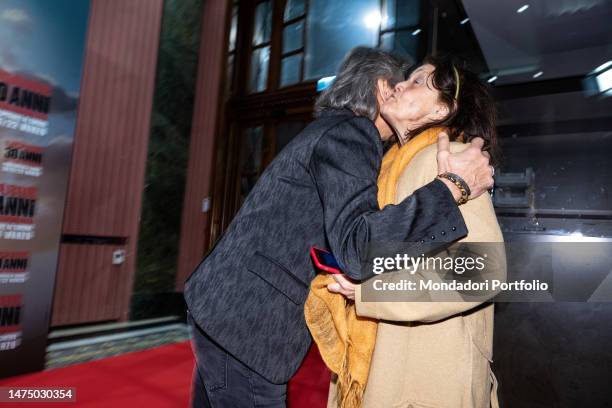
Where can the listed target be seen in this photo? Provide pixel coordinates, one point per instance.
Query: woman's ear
(440, 111)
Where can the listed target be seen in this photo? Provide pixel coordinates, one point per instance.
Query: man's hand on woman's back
(471, 164)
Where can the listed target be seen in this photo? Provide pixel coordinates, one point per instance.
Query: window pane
(401, 42)
(263, 23)
(333, 28)
(293, 9)
(290, 69)
(233, 29)
(292, 37)
(259, 69)
(401, 13)
(250, 160)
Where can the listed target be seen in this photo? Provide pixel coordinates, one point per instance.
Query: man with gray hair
(246, 297)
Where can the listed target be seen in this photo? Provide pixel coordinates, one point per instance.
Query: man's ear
(383, 88)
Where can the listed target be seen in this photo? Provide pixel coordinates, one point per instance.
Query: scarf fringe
(349, 391)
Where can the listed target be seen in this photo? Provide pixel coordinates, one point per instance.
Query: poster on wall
(42, 44)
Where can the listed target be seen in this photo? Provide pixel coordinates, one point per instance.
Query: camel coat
(434, 354)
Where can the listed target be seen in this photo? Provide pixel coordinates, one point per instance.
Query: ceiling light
(604, 81)
(522, 8)
(538, 74)
(602, 67)
(415, 32)
(465, 20)
(492, 79)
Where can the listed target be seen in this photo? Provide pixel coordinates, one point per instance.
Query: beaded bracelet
(461, 185)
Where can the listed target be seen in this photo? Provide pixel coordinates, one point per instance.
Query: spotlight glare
(415, 32)
(492, 79)
(372, 20)
(538, 74)
(465, 20)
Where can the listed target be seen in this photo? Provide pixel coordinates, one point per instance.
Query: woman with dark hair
(439, 93)
(419, 353)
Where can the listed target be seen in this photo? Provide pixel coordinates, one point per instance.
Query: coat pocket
(295, 182)
(279, 277)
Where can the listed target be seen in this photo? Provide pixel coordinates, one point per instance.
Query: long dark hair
(474, 114)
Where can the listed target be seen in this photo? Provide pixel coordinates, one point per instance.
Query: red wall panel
(91, 287)
(113, 125)
(109, 156)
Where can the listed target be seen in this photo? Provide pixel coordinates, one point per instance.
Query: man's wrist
(452, 187)
(461, 185)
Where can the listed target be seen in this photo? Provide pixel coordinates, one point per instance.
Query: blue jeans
(221, 381)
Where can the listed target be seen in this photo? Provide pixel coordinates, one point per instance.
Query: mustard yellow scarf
(346, 341)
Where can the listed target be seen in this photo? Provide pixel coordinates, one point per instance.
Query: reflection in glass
(292, 37)
(400, 42)
(401, 13)
(290, 70)
(167, 159)
(259, 69)
(580, 162)
(333, 28)
(263, 23)
(233, 29)
(293, 9)
(250, 160)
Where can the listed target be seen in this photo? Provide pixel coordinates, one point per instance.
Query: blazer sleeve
(344, 165)
(485, 236)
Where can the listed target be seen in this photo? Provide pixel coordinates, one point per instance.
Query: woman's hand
(342, 286)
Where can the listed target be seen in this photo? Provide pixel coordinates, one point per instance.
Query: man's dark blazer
(248, 293)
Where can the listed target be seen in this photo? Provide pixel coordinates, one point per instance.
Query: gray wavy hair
(355, 84)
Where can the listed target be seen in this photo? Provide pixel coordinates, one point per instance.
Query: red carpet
(159, 377)
(309, 387)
